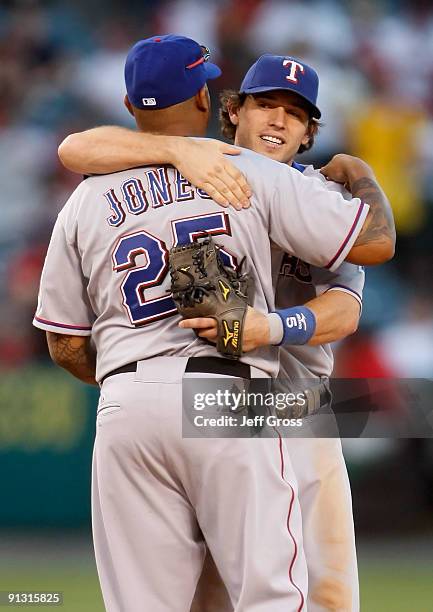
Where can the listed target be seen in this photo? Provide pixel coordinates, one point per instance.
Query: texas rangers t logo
(294, 67)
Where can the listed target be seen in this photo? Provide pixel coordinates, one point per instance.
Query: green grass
(395, 588)
(78, 583)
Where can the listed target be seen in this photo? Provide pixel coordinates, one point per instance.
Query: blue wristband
(299, 324)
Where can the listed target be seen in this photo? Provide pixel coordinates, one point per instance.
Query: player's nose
(277, 117)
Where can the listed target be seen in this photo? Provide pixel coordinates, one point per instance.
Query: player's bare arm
(337, 316)
(75, 354)
(106, 149)
(376, 241)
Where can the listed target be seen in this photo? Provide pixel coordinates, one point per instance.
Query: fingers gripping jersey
(106, 268)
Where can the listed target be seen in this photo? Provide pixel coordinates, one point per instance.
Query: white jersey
(106, 270)
(296, 282)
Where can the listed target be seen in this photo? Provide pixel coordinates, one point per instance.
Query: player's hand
(255, 334)
(342, 167)
(205, 166)
(206, 327)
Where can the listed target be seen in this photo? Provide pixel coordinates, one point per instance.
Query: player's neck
(180, 120)
(175, 130)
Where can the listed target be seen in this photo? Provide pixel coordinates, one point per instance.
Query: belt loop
(313, 399)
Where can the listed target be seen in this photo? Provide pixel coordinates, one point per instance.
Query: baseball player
(155, 494)
(277, 116)
(324, 489)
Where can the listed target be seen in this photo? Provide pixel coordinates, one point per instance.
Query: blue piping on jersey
(338, 286)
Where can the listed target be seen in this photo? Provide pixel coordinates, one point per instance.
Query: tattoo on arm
(75, 354)
(381, 224)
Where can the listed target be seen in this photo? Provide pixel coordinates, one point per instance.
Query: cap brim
(212, 70)
(314, 110)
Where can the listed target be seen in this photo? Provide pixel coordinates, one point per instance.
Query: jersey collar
(299, 167)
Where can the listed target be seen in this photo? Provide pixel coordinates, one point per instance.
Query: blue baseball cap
(272, 72)
(164, 70)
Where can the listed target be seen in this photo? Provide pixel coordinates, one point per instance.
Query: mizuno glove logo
(225, 290)
(231, 336)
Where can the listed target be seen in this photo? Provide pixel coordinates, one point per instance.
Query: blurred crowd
(61, 70)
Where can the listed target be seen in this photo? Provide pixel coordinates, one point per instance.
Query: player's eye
(301, 115)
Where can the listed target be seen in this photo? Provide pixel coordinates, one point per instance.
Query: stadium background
(61, 71)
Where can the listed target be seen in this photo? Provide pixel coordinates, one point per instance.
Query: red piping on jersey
(197, 63)
(352, 229)
(288, 525)
(78, 327)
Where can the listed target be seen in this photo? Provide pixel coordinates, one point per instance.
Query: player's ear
(306, 139)
(308, 132)
(128, 105)
(202, 99)
(311, 132)
(233, 113)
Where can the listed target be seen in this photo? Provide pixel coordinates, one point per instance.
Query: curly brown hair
(230, 99)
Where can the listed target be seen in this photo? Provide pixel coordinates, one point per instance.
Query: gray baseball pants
(158, 497)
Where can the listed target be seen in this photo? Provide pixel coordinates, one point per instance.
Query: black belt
(217, 365)
(314, 398)
(209, 365)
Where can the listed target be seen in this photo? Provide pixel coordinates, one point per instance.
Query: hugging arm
(337, 316)
(203, 163)
(336, 313)
(375, 243)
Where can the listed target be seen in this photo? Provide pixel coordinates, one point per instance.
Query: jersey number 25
(154, 272)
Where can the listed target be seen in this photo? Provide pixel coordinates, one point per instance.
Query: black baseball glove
(203, 287)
